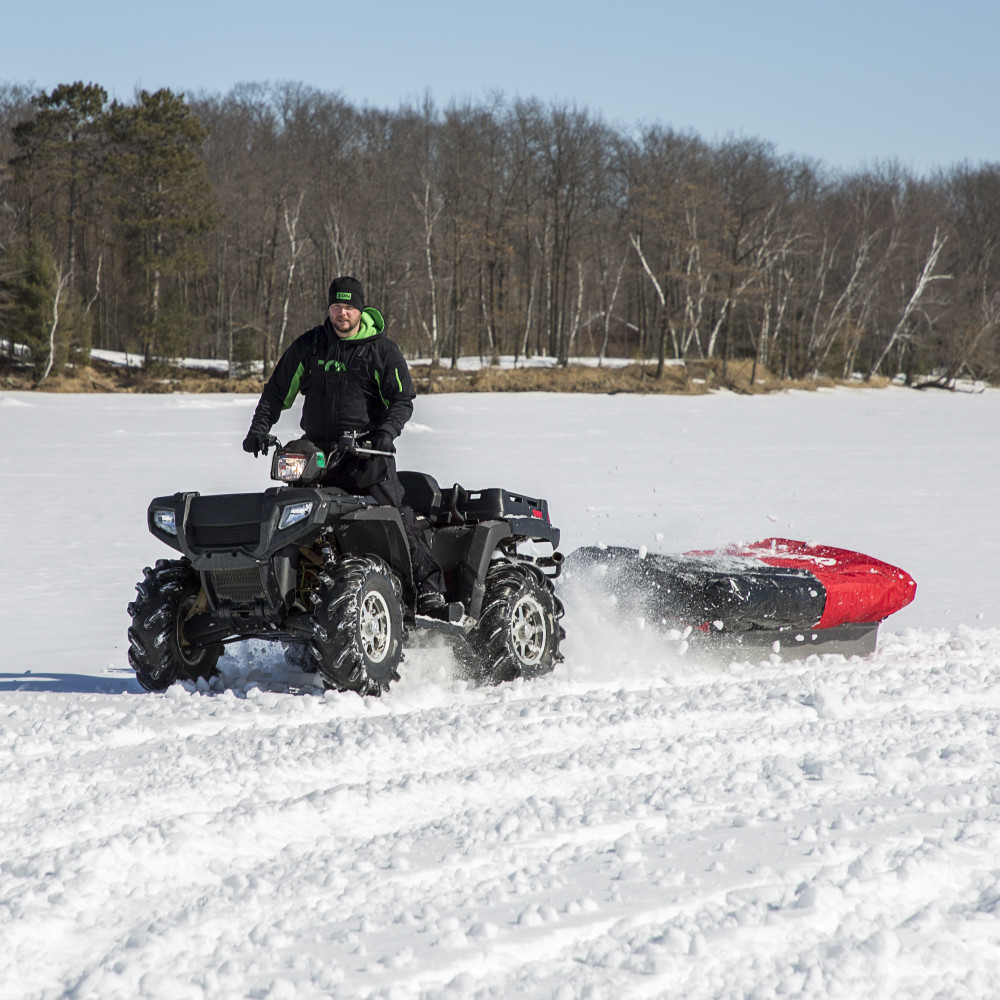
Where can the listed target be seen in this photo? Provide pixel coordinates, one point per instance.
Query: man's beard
(343, 325)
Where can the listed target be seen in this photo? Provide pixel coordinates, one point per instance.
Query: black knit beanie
(348, 290)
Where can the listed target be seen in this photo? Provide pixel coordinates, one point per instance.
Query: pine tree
(59, 167)
(60, 161)
(163, 202)
(37, 316)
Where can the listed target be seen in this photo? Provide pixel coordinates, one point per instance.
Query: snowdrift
(767, 594)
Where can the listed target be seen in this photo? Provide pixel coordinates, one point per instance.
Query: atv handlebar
(303, 463)
(348, 445)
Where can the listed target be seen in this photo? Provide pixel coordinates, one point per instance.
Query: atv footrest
(452, 620)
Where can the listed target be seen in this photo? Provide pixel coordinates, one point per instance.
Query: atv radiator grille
(220, 536)
(241, 586)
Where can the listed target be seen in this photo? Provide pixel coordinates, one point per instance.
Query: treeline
(210, 226)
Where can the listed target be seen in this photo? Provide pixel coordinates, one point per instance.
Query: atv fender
(376, 531)
(471, 571)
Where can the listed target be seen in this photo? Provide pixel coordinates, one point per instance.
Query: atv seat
(427, 499)
(422, 492)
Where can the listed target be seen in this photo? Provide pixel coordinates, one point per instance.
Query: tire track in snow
(716, 828)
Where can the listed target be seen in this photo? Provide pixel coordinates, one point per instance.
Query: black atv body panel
(246, 558)
(454, 505)
(465, 527)
(256, 553)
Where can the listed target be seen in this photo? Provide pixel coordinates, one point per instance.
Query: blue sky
(846, 82)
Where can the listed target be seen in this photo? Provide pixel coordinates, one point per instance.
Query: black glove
(382, 441)
(257, 442)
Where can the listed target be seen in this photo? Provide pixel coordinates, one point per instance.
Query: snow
(635, 824)
(136, 361)
(469, 363)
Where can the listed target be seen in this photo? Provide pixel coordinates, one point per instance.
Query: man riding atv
(353, 378)
(335, 563)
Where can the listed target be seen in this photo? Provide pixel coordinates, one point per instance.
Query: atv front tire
(298, 656)
(518, 632)
(158, 651)
(358, 634)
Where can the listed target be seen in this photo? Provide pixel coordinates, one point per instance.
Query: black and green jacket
(359, 384)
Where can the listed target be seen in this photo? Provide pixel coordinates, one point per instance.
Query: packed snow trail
(634, 824)
(827, 827)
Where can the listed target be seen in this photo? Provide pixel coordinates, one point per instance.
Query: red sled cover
(859, 588)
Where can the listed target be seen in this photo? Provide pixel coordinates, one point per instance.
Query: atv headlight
(291, 467)
(294, 513)
(166, 521)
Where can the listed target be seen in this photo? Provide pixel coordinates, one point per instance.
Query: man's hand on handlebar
(377, 443)
(257, 442)
(382, 441)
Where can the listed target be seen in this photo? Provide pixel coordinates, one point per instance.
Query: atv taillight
(291, 467)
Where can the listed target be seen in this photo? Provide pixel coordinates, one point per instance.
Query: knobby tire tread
(335, 643)
(154, 648)
(489, 652)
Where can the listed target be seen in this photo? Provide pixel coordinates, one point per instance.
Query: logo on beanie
(347, 290)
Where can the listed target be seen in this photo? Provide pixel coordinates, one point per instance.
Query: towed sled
(773, 596)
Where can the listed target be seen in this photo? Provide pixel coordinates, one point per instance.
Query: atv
(327, 573)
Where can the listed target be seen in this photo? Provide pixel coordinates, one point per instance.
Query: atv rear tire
(158, 651)
(358, 635)
(518, 632)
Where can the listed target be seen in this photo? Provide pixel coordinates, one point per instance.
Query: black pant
(427, 575)
(388, 492)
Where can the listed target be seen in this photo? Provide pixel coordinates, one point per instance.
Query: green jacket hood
(372, 324)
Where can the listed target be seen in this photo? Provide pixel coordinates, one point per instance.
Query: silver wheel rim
(375, 626)
(529, 631)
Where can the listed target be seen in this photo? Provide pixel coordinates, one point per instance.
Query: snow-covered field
(633, 825)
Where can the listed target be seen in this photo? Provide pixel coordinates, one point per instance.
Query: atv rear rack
(528, 517)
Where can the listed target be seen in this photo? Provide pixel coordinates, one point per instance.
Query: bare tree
(636, 242)
(62, 280)
(496, 226)
(430, 208)
(295, 247)
(924, 280)
(609, 309)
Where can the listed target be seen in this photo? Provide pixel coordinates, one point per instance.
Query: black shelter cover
(724, 592)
